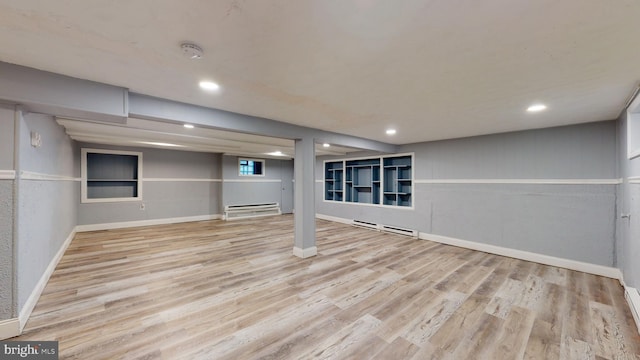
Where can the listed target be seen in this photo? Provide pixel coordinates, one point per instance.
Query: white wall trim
(9, 328)
(31, 302)
(305, 253)
(181, 180)
(31, 175)
(522, 181)
(633, 299)
(333, 218)
(601, 270)
(7, 174)
(127, 224)
(634, 179)
(252, 180)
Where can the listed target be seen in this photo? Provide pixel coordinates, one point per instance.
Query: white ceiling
(433, 69)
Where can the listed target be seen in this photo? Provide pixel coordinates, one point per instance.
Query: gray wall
(628, 230)
(569, 221)
(181, 196)
(47, 209)
(6, 215)
(238, 189)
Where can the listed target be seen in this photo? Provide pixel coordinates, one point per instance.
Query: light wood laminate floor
(233, 290)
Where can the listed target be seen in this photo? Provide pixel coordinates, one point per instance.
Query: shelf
(362, 180)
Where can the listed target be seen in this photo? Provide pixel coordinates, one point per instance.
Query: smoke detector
(192, 51)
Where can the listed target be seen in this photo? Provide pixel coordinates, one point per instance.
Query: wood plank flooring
(233, 290)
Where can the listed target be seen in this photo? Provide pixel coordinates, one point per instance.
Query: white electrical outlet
(36, 139)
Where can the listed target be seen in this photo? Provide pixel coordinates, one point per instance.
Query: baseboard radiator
(244, 211)
(365, 224)
(386, 228)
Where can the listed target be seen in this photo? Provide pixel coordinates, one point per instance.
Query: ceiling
(432, 69)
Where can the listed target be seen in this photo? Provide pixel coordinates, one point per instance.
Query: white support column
(304, 199)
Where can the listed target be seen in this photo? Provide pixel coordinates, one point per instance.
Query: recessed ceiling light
(276, 153)
(391, 131)
(188, 126)
(325, 145)
(159, 144)
(536, 107)
(209, 85)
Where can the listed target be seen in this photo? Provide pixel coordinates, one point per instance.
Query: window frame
(84, 179)
(262, 161)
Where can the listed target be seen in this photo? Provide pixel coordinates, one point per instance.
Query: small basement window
(110, 175)
(251, 167)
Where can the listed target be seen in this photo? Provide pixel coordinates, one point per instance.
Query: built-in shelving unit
(385, 180)
(397, 181)
(362, 183)
(109, 175)
(333, 179)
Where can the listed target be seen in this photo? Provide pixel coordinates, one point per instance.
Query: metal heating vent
(364, 224)
(401, 231)
(233, 212)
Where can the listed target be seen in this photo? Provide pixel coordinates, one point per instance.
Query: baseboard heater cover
(401, 231)
(366, 224)
(244, 211)
(387, 228)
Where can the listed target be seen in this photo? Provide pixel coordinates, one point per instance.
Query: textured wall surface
(6, 248)
(171, 191)
(6, 214)
(6, 138)
(568, 221)
(47, 209)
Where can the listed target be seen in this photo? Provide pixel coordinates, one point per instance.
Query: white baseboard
(9, 328)
(127, 224)
(37, 291)
(305, 253)
(633, 299)
(333, 218)
(606, 271)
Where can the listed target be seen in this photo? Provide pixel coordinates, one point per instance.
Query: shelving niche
(384, 180)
